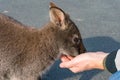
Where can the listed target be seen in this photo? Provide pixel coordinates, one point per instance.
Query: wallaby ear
(57, 15)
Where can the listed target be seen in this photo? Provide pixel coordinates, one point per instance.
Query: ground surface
(98, 21)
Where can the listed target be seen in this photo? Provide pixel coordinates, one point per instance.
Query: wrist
(98, 60)
(102, 60)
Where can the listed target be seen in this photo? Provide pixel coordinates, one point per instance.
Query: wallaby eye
(76, 39)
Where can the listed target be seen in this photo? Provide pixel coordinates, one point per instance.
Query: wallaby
(26, 52)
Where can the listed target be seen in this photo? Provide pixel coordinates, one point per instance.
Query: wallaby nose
(82, 49)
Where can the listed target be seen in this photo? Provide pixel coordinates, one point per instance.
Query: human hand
(83, 62)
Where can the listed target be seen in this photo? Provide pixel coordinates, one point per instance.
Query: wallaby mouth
(64, 53)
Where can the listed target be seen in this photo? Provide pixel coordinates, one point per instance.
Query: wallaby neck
(48, 39)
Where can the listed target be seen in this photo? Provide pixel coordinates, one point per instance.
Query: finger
(66, 58)
(71, 63)
(67, 64)
(70, 57)
(75, 69)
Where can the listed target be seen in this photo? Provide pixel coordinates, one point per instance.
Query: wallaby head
(68, 38)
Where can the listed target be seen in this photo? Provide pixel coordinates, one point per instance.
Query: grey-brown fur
(26, 52)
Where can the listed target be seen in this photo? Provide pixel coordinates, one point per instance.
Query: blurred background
(97, 20)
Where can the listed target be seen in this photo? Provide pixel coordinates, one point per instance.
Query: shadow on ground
(106, 44)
